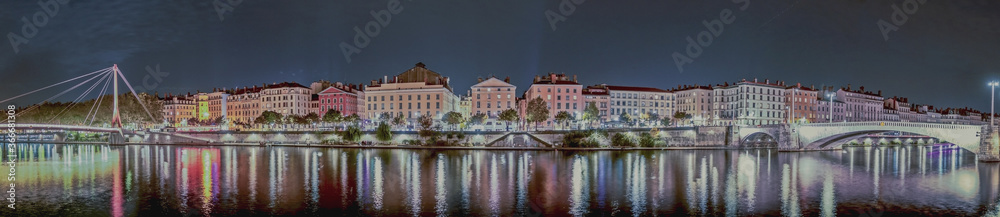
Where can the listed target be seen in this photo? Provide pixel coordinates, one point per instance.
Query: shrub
(383, 132)
(351, 134)
(580, 139)
(411, 142)
(620, 139)
(647, 140)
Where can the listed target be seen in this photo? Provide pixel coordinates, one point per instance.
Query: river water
(141, 180)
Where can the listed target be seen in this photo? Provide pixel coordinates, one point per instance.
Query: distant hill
(130, 110)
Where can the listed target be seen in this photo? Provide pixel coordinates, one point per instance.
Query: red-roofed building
(340, 97)
(288, 98)
(244, 105)
(178, 109)
(862, 105)
(695, 101)
(600, 97)
(560, 92)
(640, 103)
(491, 96)
(801, 102)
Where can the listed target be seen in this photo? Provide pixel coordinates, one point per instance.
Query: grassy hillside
(130, 110)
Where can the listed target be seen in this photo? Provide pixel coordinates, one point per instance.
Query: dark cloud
(943, 55)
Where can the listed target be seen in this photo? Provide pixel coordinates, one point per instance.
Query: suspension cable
(136, 95)
(97, 105)
(39, 104)
(75, 101)
(70, 89)
(56, 84)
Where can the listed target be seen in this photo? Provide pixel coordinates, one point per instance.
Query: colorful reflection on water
(99, 180)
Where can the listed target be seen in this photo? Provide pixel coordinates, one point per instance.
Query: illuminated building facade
(695, 101)
(340, 97)
(178, 109)
(801, 102)
(287, 98)
(414, 93)
(243, 105)
(492, 96)
(560, 93)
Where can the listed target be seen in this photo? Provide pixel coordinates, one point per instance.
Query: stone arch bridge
(826, 136)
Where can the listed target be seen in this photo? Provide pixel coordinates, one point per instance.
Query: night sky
(943, 54)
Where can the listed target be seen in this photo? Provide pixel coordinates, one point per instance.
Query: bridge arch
(759, 140)
(833, 135)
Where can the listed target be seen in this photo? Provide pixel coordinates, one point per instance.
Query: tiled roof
(692, 88)
(246, 90)
(761, 83)
(644, 89)
(587, 91)
(419, 73)
(284, 84)
(557, 82)
(335, 89)
(800, 88)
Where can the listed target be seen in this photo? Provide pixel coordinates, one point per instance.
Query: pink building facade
(338, 97)
(560, 93)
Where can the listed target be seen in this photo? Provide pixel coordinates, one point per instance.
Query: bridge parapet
(894, 124)
(822, 136)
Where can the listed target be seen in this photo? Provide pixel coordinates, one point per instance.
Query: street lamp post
(789, 115)
(993, 87)
(792, 109)
(830, 95)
